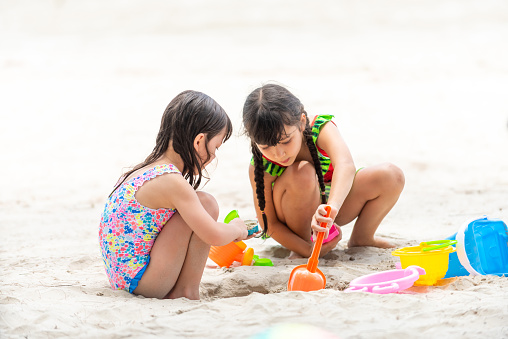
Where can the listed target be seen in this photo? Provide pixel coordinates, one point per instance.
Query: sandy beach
(421, 84)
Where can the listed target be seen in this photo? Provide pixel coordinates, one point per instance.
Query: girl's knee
(209, 203)
(393, 176)
(302, 176)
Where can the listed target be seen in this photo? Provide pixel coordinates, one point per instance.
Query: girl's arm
(276, 229)
(331, 141)
(180, 195)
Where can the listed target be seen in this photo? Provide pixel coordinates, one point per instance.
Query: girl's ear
(198, 141)
(303, 122)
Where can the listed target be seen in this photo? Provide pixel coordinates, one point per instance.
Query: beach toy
(334, 232)
(482, 246)
(224, 256)
(257, 261)
(308, 277)
(252, 224)
(455, 268)
(432, 256)
(231, 215)
(386, 281)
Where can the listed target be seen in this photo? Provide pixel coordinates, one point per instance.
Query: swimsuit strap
(317, 124)
(151, 173)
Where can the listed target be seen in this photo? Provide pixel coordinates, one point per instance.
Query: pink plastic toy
(334, 232)
(386, 281)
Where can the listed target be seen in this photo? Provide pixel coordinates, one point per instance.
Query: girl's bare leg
(375, 191)
(188, 282)
(177, 259)
(296, 196)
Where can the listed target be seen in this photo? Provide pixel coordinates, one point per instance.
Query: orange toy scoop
(308, 277)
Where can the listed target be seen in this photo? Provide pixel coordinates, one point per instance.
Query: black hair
(187, 115)
(265, 113)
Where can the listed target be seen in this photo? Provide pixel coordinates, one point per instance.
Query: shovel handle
(313, 260)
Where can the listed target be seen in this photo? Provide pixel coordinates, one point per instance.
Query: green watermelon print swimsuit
(275, 169)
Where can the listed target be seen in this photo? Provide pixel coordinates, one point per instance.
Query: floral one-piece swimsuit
(128, 230)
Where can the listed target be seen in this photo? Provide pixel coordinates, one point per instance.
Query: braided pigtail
(307, 133)
(260, 184)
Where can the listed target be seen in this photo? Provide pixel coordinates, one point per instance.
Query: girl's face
(286, 151)
(203, 149)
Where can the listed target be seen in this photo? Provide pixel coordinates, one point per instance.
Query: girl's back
(128, 229)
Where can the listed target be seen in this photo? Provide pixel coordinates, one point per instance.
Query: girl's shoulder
(160, 185)
(153, 170)
(150, 172)
(163, 169)
(318, 122)
(158, 171)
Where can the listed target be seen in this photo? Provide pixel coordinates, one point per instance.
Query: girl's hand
(242, 229)
(253, 235)
(319, 217)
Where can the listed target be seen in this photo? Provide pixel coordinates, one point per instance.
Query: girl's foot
(376, 242)
(294, 255)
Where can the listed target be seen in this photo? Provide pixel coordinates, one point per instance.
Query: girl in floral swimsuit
(156, 230)
(298, 167)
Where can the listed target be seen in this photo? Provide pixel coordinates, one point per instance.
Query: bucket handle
(393, 287)
(356, 289)
(436, 244)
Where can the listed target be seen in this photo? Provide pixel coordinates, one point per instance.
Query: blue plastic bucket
(455, 268)
(482, 246)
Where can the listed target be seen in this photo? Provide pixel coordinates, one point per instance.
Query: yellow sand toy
(432, 256)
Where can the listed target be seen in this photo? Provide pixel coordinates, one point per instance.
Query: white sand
(422, 84)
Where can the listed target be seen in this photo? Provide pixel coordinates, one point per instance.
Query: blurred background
(422, 84)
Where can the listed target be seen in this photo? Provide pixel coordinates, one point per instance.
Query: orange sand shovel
(308, 277)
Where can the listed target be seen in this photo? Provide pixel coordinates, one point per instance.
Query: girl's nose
(278, 152)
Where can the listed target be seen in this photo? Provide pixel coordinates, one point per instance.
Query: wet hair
(187, 115)
(265, 113)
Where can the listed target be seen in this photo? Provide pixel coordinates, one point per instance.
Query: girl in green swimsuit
(301, 165)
